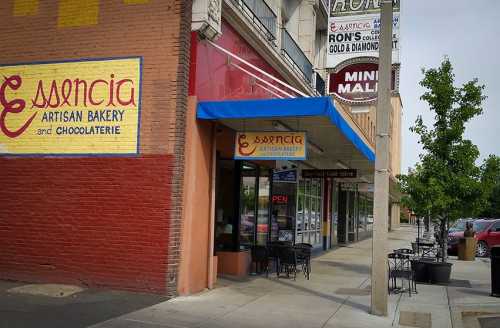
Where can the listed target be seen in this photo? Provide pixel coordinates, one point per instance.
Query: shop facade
(164, 206)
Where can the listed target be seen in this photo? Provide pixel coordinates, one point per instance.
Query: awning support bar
(257, 69)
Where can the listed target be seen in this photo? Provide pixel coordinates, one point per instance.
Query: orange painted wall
(195, 248)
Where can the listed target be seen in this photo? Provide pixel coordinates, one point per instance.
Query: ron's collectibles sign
(354, 30)
(270, 145)
(357, 83)
(70, 108)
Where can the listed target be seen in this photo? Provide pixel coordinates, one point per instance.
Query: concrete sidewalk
(338, 295)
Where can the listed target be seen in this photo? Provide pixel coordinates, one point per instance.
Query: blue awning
(282, 108)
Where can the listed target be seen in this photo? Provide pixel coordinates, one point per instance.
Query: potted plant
(446, 183)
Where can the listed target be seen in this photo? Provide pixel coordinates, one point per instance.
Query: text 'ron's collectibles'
(71, 108)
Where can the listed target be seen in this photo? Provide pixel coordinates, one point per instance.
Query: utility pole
(382, 143)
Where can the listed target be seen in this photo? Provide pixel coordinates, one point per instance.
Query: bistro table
(427, 248)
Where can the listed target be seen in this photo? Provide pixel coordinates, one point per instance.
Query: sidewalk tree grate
(415, 319)
(489, 322)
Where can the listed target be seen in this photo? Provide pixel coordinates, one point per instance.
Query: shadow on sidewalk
(77, 311)
(474, 292)
(333, 298)
(358, 268)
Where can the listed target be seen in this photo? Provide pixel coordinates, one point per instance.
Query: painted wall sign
(357, 83)
(80, 107)
(270, 145)
(330, 173)
(354, 30)
(285, 176)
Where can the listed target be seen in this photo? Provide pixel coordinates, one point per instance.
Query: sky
(468, 32)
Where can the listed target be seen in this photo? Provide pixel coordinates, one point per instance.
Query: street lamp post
(379, 272)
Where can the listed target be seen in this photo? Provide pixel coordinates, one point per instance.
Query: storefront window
(309, 207)
(263, 209)
(225, 198)
(335, 212)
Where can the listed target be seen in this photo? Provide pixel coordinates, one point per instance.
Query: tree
(446, 183)
(490, 181)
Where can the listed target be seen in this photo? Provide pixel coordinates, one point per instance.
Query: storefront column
(379, 272)
(395, 216)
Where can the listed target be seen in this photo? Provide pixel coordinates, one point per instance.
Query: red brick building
(95, 220)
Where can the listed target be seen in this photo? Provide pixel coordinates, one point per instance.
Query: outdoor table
(427, 248)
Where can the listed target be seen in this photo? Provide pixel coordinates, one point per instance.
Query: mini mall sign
(357, 83)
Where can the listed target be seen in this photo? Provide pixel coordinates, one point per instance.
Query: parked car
(487, 236)
(459, 225)
(456, 232)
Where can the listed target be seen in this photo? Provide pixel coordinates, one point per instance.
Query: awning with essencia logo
(315, 115)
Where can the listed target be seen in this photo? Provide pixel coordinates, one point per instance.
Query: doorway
(243, 205)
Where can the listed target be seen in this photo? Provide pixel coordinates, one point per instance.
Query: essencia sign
(70, 108)
(270, 145)
(357, 83)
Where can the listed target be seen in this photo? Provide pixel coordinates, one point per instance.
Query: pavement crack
(398, 303)
(449, 307)
(342, 304)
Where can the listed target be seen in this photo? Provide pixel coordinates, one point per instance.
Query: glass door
(255, 205)
(264, 191)
(248, 197)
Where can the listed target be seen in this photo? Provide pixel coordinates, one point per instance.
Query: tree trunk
(444, 239)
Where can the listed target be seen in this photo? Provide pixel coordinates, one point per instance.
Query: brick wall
(100, 221)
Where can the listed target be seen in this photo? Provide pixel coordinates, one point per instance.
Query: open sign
(280, 199)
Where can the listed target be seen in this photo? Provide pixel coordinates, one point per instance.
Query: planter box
(420, 269)
(439, 272)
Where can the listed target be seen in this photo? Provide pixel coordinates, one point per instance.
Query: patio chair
(303, 251)
(261, 259)
(399, 265)
(287, 261)
(273, 253)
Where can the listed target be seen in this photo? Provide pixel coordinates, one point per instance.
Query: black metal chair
(260, 256)
(273, 253)
(287, 261)
(304, 251)
(400, 266)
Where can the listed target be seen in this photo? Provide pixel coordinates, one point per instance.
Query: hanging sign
(285, 176)
(354, 30)
(70, 108)
(357, 83)
(329, 173)
(270, 145)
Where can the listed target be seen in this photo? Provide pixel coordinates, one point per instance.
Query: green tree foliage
(490, 181)
(446, 183)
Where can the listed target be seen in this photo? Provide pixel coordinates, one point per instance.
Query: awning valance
(282, 108)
